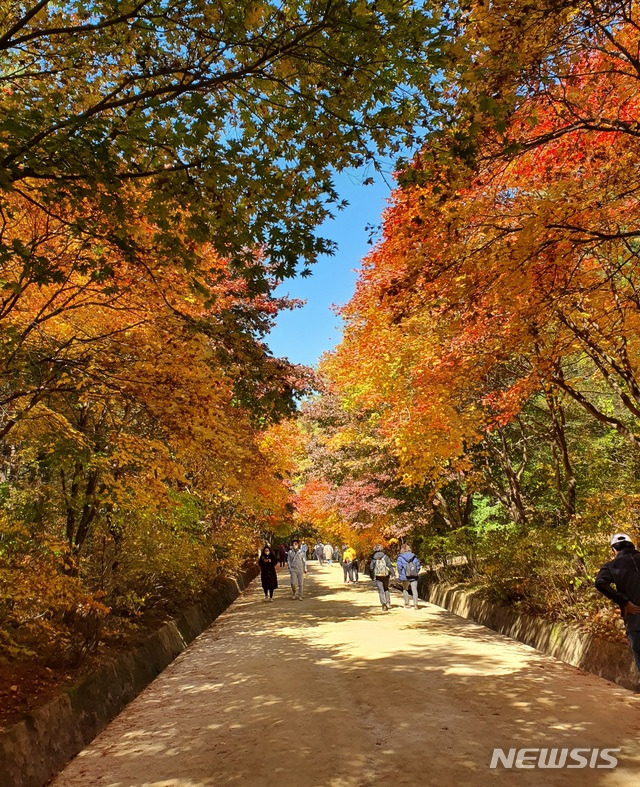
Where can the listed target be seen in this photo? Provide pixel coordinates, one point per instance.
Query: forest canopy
(165, 166)
(486, 392)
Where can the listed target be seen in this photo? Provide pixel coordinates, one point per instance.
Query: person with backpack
(268, 574)
(354, 570)
(381, 570)
(408, 567)
(282, 554)
(624, 572)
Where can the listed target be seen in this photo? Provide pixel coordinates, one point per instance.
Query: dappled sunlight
(269, 687)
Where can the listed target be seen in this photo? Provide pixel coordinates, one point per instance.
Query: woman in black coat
(268, 562)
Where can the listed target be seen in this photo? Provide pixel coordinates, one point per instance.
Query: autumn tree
(348, 485)
(133, 407)
(230, 119)
(494, 327)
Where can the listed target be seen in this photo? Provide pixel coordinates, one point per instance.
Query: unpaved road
(331, 691)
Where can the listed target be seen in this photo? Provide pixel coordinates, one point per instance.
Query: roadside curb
(35, 749)
(610, 660)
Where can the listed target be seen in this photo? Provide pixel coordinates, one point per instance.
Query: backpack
(411, 568)
(381, 569)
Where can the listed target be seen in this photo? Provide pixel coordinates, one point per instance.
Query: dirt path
(330, 691)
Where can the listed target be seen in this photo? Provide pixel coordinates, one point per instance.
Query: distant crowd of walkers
(381, 569)
(619, 579)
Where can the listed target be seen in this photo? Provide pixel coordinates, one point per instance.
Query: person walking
(328, 553)
(348, 555)
(268, 574)
(297, 562)
(319, 552)
(282, 554)
(381, 570)
(408, 567)
(624, 572)
(342, 551)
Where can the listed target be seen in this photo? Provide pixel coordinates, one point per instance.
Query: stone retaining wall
(35, 749)
(610, 660)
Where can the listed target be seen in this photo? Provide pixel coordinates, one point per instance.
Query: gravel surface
(331, 691)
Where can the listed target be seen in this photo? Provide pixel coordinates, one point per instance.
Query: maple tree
(514, 262)
(231, 118)
(494, 329)
(163, 167)
(132, 411)
(347, 486)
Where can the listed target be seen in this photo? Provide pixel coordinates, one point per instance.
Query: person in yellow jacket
(348, 556)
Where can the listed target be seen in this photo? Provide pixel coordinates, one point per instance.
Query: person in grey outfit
(381, 570)
(408, 567)
(297, 563)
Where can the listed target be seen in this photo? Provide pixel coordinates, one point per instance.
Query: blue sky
(304, 334)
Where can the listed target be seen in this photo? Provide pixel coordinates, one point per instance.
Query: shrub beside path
(331, 691)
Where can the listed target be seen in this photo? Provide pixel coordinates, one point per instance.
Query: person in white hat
(624, 572)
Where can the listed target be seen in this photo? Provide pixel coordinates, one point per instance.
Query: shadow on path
(331, 691)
